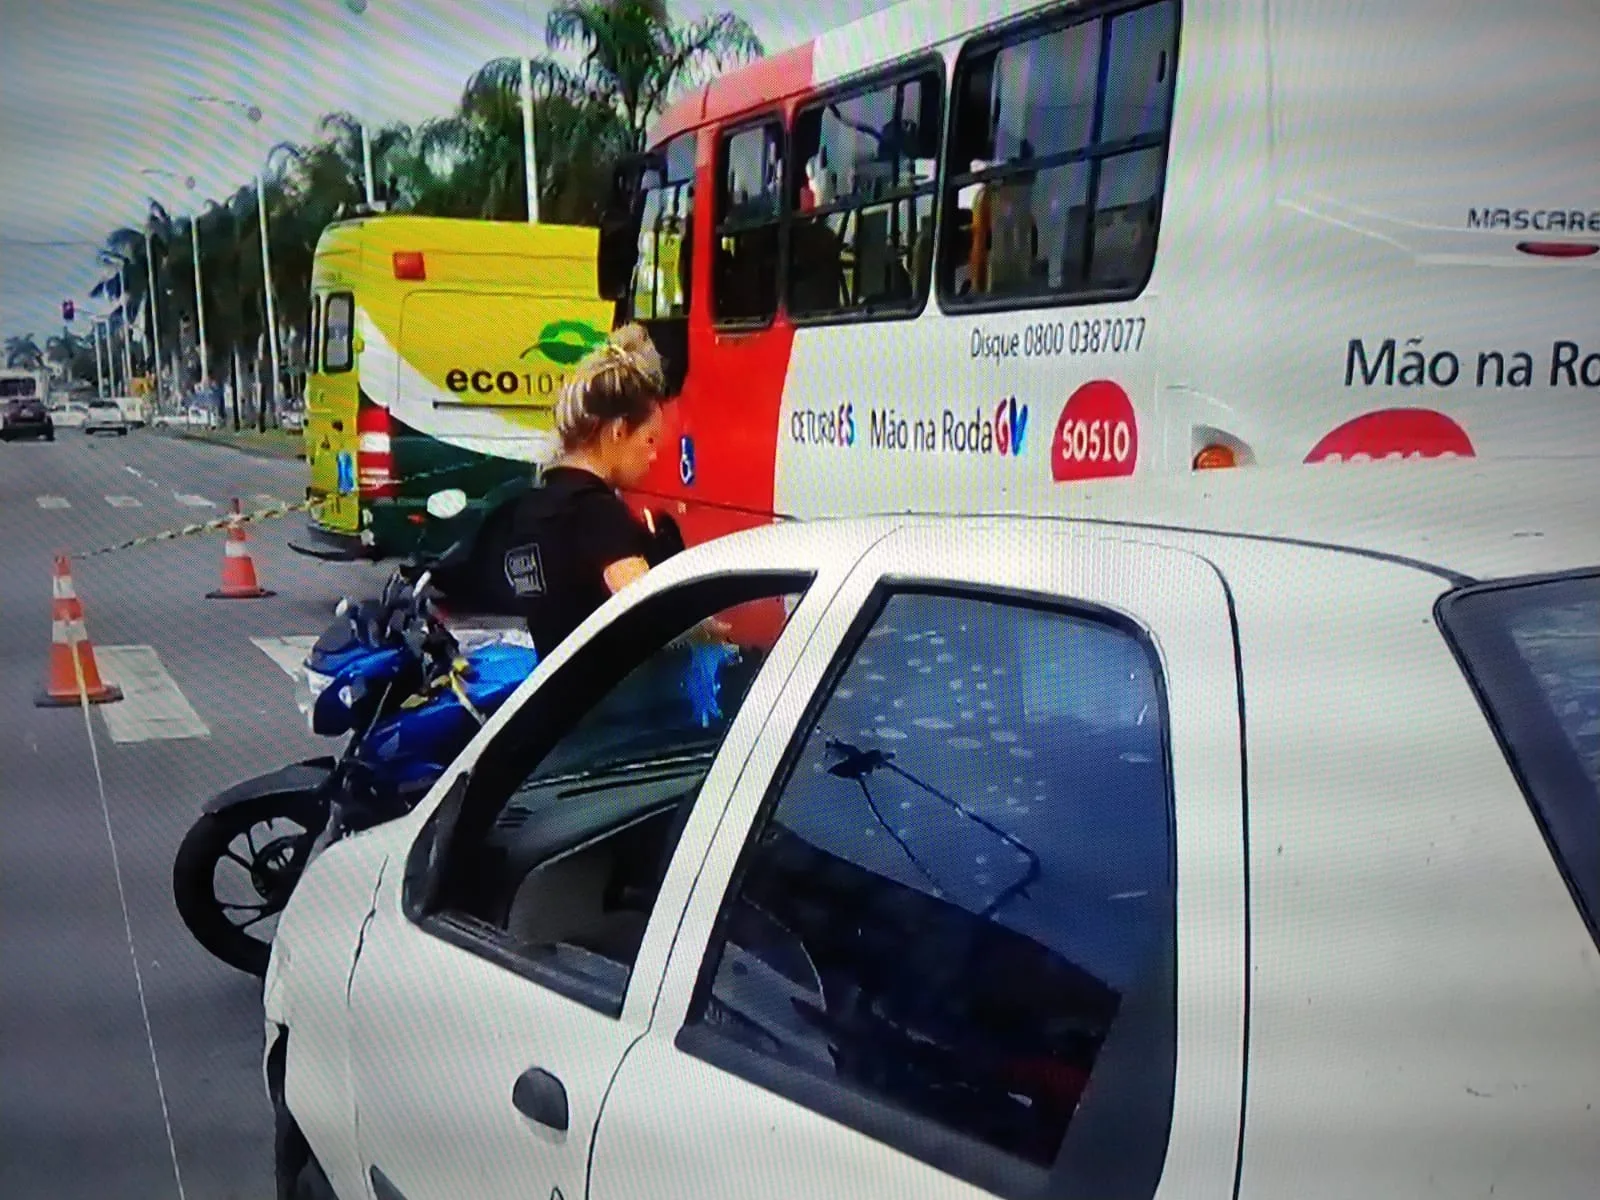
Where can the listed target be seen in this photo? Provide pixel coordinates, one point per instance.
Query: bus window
(744, 286)
(1055, 172)
(339, 317)
(314, 336)
(862, 236)
(662, 270)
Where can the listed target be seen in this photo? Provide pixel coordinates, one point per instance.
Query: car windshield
(17, 389)
(1532, 648)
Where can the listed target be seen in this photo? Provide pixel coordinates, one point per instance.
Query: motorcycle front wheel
(237, 931)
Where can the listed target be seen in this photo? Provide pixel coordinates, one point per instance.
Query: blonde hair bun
(622, 379)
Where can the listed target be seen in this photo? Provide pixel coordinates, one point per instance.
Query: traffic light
(66, 310)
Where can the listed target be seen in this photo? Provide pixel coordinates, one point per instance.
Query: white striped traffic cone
(73, 675)
(238, 568)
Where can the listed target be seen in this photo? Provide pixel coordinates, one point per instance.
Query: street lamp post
(272, 310)
(155, 318)
(127, 333)
(199, 292)
(99, 374)
(199, 304)
(357, 8)
(120, 261)
(252, 113)
(530, 175)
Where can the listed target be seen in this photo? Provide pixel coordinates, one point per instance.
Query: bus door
(333, 398)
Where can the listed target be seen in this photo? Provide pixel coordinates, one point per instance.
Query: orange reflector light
(408, 264)
(1214, 457)
(1559, 249)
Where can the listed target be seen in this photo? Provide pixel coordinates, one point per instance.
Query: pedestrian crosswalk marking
(124, 502)
(53, 502)
(152, 708)
(194, 501)
(287, 652)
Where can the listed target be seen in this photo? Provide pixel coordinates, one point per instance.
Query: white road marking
(124, 502)
(52, 502)
(132, 470)
(193, 501)
(287, 652)
(267, 501)
(153, 707)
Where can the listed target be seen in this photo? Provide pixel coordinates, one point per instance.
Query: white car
(106, 416)
(70, 414)
(1236, 837)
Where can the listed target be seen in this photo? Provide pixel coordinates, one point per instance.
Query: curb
(291, 450)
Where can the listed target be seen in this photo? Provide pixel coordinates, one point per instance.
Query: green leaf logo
(566, 342)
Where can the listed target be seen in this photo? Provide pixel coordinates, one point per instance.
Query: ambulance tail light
(409, 264)
(375, 454)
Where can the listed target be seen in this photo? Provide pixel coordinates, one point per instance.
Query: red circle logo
(1394, 433)
(1097, 435)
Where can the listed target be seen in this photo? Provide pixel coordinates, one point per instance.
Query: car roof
(1472, 519)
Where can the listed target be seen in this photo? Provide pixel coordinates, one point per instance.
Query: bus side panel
(965, 410)
(1412, 161)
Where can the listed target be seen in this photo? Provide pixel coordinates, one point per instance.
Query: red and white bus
(962, 255)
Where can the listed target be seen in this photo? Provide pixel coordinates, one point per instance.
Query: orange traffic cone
(73, 672)
(238, 569)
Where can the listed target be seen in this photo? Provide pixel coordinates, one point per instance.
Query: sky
(93, 93)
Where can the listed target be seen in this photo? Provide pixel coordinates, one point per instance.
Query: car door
(511, 960)
(974, 921)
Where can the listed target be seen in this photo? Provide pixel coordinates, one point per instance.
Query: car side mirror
(425, 864)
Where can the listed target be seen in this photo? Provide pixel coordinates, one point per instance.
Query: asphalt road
(129, 1058)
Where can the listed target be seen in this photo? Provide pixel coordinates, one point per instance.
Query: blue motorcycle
(390, 674)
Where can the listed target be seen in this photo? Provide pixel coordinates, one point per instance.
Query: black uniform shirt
(563, 536)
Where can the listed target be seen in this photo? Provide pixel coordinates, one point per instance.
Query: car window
(960, 904)
(1532, 650)
(583, 795)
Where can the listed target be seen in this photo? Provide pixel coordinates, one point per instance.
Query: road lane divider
(198, 528)
(201, 528)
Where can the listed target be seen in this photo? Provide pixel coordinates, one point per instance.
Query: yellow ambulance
(437, 350)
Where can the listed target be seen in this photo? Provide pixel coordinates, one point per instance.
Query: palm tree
(72, 356)
(636, 57)
(23, 351)
(633, 59)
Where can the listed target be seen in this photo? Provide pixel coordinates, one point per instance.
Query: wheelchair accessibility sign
(346, 464)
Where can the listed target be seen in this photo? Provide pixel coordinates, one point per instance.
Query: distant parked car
(106, 416)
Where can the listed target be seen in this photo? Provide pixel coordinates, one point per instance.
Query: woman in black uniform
(573, 542)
